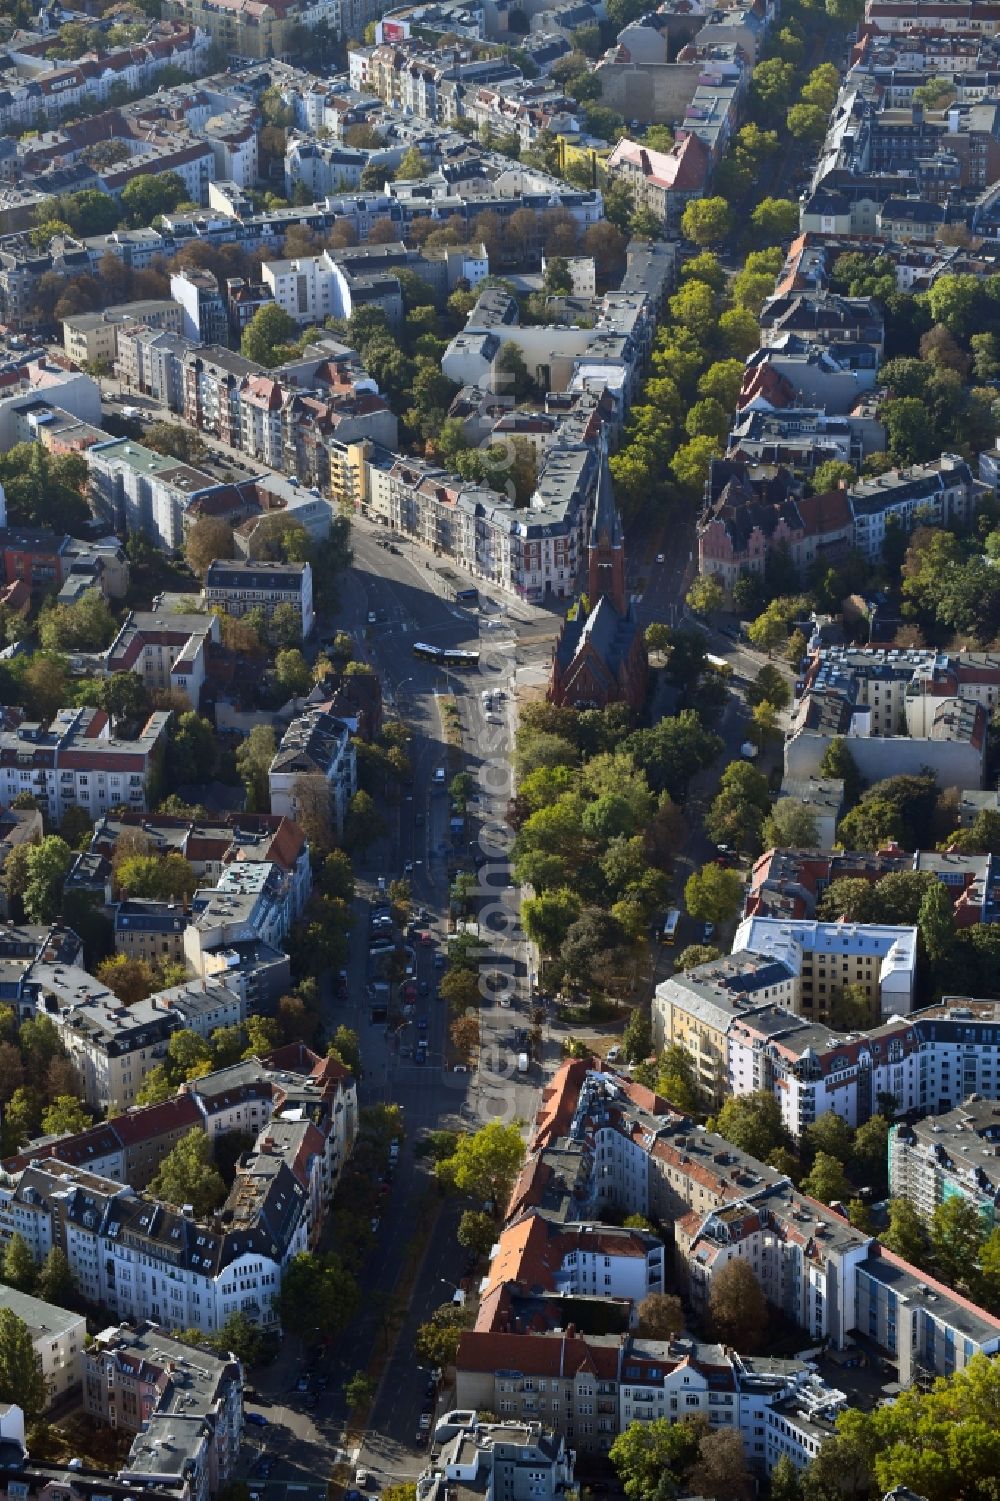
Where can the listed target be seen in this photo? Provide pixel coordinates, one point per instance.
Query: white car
(661, 557)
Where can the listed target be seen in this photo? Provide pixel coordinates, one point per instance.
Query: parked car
(257, 1418)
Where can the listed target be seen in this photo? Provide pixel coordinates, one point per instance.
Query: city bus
(453, 657)
(668, 933)
(719, 665)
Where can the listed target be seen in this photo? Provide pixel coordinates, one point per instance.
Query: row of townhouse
(589, 1387)
(900, 710)
(140, 1381)
(76, 761)
(747, 1026)
(601, 1142)
(789, 883)
(144, 1260)
(33, 88)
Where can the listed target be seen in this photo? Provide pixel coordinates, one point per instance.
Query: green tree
(21, 1379)
(791, 824)
(752, 1122)
(477, 1232)
(769, 686)
(637, 1039)
(713, 894)
(831, 474)
(46, 866)
(188, 1176)
(19, 1269)
(936, 921)
(826, 1179)
(346, 1044)
(266, 338)
(956, 1234)
(486, 1164)
(775, 219)
(66, 1116)
(785, 1482)
(360, 1390)
(739, 332)
(807, 122)
(55, 1282)
(652, 1459)
(147, 196)
(706, 221)
(437, 1340)
(706, 594)
(253, 761)
(907, 1233)
(86, 625)
(160, 878)
(317, 1292)
(293, 673)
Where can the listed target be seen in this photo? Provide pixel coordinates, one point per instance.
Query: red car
(409, 991)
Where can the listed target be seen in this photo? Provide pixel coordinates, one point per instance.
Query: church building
(600, 657)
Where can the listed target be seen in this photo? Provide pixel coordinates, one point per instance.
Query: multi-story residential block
(76, 762)
(145, 1261)
(59, 1338)
(746, 521)
(237, 588)
(600, 1140)
(664, 182)
(942, 493)
(949, 1155)
(258, 35)
(139, 490)
(576, 1260)
(789, 883)
(316, 745)
(519, 1462)
(591, 1386)
(797, 966)
(149, 930)
(210, 846)
(92, 338)
(204, 315)
(133, 1375)
(167, 651)
(312, 288)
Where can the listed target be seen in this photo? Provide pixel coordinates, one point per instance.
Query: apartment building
(166, 650)
(949, 1155)
(204, 314)
(600, 1140)
(145, 1261)
(58, 1337)
(92, 338)
(942, 493)
(255, 35)
(521, 1462)
(237, 588)
(312, 288)
(695, 1010)
(139, 490)
(76, 761)
(211, 845)
(602, 1261)
(664, 182)
(133, 1375)
(789, 883)
(795, 966)
(149, 930)
(591, 1386)
(315, 745)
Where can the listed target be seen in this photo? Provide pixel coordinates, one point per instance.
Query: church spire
(606, 550)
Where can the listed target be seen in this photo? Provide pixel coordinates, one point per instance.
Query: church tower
(606, 548)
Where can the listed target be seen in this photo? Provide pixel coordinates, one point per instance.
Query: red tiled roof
(178, 1114)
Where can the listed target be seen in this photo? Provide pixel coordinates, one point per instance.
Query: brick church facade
(600, 657)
